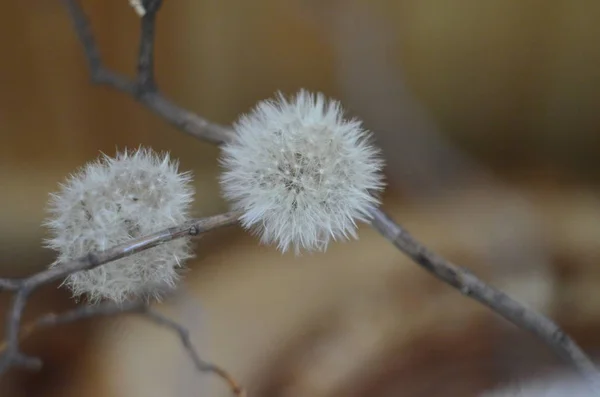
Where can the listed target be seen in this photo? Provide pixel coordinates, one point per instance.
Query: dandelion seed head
(111, 201)
(302, 173)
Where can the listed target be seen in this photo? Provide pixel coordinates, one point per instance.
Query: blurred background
(488, 116)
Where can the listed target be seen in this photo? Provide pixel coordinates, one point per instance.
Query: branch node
(93, 260)
(152, 6)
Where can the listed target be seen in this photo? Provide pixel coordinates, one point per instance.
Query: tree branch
(200, 364)
(138, 307)
(180, 118)
(23, 288)
(145, 68)
(471, 286)
(457, 277)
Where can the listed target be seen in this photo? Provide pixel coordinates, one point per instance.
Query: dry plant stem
(138, 307)
(469, 285)
(23, 288)
(200, 364)
(453, 275)
(80, 313)
(143, 88)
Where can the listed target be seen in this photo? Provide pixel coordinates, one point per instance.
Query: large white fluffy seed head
(111, 201)
(300, 172)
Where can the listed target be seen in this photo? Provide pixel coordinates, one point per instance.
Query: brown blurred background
(487, 113)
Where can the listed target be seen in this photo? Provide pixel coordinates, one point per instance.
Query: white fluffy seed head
(113, 200)
(301, 173)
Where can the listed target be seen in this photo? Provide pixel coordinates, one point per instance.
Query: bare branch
(451, 274)
(80, 313)
(25, 287)
(180, 118)
(469, 285)
(11, 355)
(95, 259)
(98, 74)
(200, 364)
(145, 69)
(110, 309)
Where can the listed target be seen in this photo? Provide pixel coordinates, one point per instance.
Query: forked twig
(135, 307)
(23, 288)
(143, 88)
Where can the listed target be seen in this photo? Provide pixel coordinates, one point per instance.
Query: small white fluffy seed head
(113, 200)
(301, 174)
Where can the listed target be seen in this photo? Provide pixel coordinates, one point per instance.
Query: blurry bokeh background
(488, 113)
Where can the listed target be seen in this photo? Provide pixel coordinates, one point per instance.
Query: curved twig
(138, 307)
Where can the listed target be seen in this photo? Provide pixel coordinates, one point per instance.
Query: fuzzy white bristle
(113, 200)
(301, 173)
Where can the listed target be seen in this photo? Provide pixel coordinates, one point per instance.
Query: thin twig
(201, 365)
(110, 309)
(471, 286)
(145, 67)
(23, 288)
(180, 118)
(79, 313)
(453, 275)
